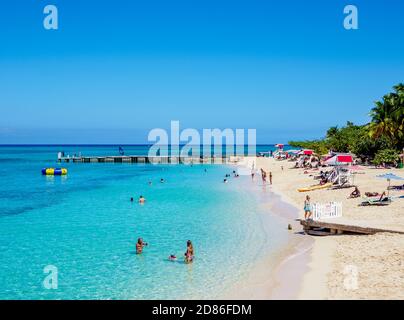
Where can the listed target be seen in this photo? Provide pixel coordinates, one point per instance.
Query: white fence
(327, 210)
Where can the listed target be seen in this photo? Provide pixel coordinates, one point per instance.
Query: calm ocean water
(85, 225)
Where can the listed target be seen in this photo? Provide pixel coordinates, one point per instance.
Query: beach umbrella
(339, 159)
(306, 152)
(389, 177)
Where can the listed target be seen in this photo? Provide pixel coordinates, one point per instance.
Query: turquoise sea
(85, 225)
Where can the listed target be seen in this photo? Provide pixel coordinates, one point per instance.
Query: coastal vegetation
(380, 141)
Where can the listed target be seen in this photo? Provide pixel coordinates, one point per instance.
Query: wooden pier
(340, 226)
(146, 159)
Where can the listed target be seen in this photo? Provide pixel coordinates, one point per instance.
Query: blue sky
(116, 69)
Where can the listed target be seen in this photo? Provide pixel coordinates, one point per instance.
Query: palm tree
(388, 117)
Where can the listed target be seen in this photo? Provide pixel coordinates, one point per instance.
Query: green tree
(388, 117)
(388, 156)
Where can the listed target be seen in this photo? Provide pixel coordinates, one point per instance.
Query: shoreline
(376, 259)
(314, 260)
(279, 275)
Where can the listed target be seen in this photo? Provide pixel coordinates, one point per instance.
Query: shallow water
(85, 225)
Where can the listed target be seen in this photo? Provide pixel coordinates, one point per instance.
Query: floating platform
(145, 159)
(341, 226)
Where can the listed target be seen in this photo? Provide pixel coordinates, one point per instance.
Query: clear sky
(116, 69)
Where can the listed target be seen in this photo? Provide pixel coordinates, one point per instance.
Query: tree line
(379, 141)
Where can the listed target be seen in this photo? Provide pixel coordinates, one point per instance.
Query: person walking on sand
(307, 208)
(270, 178)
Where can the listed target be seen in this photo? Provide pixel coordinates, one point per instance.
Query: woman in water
(142, 199)
(307, 208)
(139, 245)
(189, 254)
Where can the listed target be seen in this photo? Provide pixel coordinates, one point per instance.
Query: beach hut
(339, 159)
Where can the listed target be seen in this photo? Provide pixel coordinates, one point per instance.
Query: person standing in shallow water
(263, 176)
(139, 245)
(270, 178)
(189, 254)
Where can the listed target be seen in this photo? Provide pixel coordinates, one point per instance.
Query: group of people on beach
(188, 255)
(264, 176)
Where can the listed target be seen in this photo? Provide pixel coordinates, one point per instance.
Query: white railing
(327, 210)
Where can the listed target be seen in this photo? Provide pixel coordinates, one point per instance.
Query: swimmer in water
(162, 180)
(172, 257)
(150, 183)
(224, 180)
(140, 245)
(131, 199)
(142, 199)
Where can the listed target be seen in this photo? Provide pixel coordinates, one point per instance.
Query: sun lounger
(376, 201)
(396, 187)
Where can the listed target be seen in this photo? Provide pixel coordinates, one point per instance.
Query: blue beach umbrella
(389, 177)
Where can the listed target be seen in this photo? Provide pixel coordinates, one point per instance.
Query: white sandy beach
(333, 260)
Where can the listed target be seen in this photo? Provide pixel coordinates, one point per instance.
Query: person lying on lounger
(379, 200)
(397, 187)
(372, 194)
(355, 194)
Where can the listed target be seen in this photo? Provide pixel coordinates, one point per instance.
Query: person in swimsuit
(189, 254)
(307, 208)
(139, 245)
(263, 176)
(172, 257)
(355, 194)
(142, 199)
(270, 178)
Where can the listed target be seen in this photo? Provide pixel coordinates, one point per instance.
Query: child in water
(172, 257)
